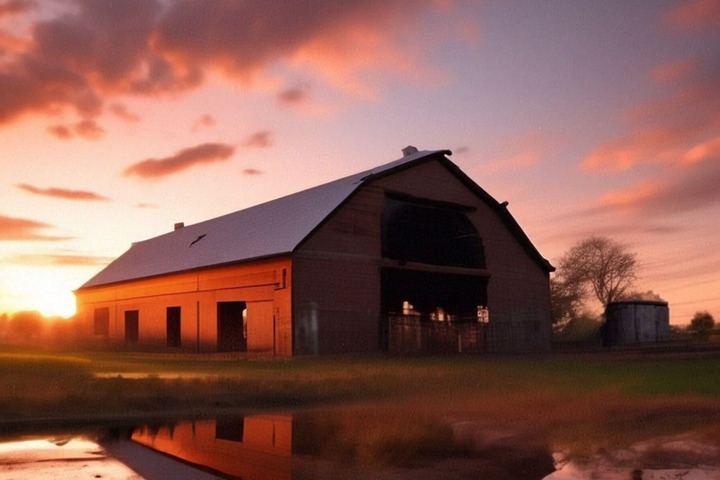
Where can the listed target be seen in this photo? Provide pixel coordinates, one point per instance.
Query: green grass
(547, 390)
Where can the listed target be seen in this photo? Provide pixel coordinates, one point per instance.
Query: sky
(120, 118)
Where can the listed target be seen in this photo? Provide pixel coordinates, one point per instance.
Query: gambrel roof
(269, 229)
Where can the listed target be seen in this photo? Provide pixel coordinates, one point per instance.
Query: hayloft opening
(231, 327)
(430, 232)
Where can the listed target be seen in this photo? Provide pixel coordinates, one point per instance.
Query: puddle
(350, 444)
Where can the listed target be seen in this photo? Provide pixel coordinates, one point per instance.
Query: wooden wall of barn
(264, 286)
(336, 295)
(337, 271)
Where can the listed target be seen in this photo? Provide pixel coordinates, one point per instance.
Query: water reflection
(361, 443)
(253, 447)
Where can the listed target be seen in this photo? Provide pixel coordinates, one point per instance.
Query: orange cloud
(703, 151)
(63, 193)
(21, 229)
(695, 15)
(626, 201)
(181, 160)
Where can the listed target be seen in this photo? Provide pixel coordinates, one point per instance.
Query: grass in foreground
(519, 390)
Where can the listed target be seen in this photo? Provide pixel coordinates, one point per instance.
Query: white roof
(273, 228)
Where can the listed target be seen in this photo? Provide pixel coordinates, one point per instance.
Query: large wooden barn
(412, 256)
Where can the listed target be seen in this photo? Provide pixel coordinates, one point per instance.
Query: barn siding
(337, 270)
(337, 279)
(264, 286)
(518, 289)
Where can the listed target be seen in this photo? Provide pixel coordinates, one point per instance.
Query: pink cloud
(663, 129)
(260, 139)
(684, 188)
(63, 193)
(695, 15)
(252, 171)
(292, 95)
(181, 160)
(21, 229)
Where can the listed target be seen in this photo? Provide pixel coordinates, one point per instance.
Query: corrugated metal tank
(636, 321)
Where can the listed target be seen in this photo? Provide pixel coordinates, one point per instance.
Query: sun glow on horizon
(46, 290)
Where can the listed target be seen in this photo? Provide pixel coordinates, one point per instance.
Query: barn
(411, 257)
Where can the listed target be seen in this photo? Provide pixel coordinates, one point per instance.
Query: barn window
(132, 326)
(172, 320)
(102, 321)
(429, 232)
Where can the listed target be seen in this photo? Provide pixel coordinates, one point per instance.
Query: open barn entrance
(231, 327)
(430, 312)
(434, 279)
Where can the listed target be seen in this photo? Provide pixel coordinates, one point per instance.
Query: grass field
(569, 395)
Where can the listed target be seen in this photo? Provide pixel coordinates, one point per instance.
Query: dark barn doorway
(429, 312)
(434, 284)
(232, 327)
(132, 326)
(173, 327)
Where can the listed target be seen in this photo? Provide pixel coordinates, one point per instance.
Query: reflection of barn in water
(412, 256)
(253, 448)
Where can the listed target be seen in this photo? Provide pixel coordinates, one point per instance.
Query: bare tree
(598, 266)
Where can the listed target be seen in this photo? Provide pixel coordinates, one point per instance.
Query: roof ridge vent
(409, 150)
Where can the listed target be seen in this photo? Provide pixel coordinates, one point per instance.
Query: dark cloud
(181, 160)
(21, 229)
(260, 139)
(63, 193)
(92, 50)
